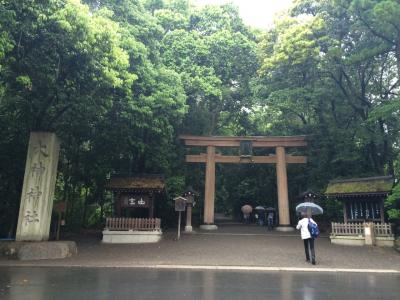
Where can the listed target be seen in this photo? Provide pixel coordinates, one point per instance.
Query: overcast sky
(257, 13)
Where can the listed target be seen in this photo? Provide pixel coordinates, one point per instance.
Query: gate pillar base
(188, 228)
(209, 227)
(284, 228)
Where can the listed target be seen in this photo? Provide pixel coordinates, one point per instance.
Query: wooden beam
(296, 159)
(270, 159)
(201, 158)
(279, 143)
(257, 141)
(238, 159)
(255, 144)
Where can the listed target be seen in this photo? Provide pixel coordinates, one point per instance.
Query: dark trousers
(309, 247)
(270, 223)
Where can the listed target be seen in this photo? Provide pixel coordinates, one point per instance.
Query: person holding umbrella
(246, 210)
(307, 209)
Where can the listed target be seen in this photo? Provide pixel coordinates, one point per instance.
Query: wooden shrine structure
(362, 198)
(245, 145)
(136, 193)
(134, 203)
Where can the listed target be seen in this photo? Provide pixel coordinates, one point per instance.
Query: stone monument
(38, 188)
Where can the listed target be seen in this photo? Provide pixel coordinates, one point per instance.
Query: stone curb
(255, 234)
(214, 268)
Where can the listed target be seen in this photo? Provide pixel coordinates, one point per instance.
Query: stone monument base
(38, 250)
(131, 237)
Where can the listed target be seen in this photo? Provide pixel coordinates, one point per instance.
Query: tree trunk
(84, 208)
(387, 155)
(374, 158)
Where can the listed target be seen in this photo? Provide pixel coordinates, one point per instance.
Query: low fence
(347, 228)
(357, 229)
(141, 224)
(383, 229)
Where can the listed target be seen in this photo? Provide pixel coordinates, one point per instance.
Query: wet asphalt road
(59, 283)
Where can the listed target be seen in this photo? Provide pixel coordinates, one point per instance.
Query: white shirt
(303, 226)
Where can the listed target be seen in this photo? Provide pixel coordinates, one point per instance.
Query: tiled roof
(151, 182)
(354, 186)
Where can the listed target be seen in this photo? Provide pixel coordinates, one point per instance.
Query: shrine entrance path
(231, 246)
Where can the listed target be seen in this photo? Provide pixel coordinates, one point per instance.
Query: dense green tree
(216, 57)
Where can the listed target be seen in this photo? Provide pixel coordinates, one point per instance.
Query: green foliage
(392, 204)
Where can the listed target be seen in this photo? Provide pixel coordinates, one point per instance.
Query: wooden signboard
(180, 204)
(135, 201)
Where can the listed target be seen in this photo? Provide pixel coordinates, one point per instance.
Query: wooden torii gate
(280, 159)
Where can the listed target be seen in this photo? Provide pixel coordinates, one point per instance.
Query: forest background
(119, 80)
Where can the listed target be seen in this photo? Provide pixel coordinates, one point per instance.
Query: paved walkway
(230, 246)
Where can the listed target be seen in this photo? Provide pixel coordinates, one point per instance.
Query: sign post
(180, 205)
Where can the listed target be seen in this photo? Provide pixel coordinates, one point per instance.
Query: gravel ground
(230, 245)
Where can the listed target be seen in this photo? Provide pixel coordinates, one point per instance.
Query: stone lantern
(310, 196)
(189, 194)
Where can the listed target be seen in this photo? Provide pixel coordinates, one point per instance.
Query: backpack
(313, 229)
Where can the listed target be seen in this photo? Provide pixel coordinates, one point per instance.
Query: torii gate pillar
(283, 198)
(209, 194)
